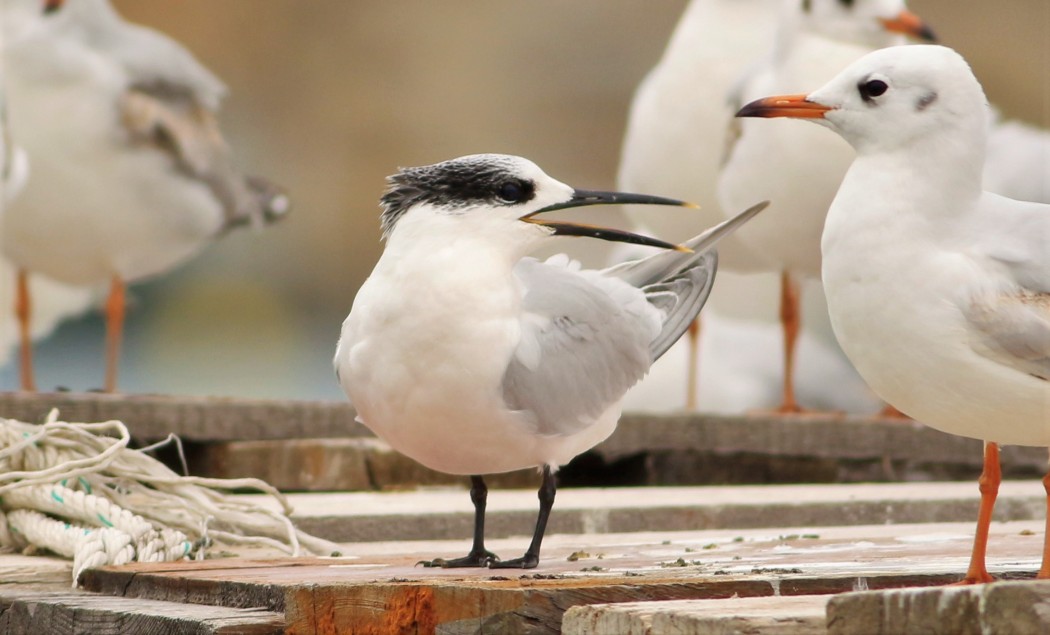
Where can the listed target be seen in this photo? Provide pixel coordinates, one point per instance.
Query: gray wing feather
(588, 336)
(1014, 331)
(152, 59)
(581, 346)
(171, 102)
(690, 290)
(667, 264)
(688, 276)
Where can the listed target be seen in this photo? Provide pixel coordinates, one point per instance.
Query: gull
(131, 174)
(675, 140)
(473, 359)
(815, 39)
(1018, 161)
(675, 136)
(938, 290)
(56, 301)
(739, 376)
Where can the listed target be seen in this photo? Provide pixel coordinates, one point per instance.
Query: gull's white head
(875, 23)
(892, 99)
(494, 197)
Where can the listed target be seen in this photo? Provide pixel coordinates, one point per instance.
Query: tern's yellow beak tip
(690, 205)
(683, 249)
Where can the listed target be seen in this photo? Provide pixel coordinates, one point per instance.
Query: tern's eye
(513, 192)
(872, 88)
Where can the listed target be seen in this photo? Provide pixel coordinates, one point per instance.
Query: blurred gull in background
(131, 175)
(54, 301)
(814, 41)
(1018, 161)
(675, 140)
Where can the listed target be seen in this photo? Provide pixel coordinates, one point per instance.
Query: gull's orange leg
(23, 311)
(791, 320)
(693, 368)
(889, 412)
(1044, 570)
(115, 307)
(991, 476)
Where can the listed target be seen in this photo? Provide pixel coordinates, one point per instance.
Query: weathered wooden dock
(808, 557)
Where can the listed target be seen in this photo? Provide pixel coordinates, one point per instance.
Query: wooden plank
(73, 613)
(773, 615)
(327, 465)
(1004, 607)
(831, 442)
(439, 514)
(35, 570)
(192, 418)
(845, 438)
(381, 590)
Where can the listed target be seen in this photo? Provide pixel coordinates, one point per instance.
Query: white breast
(896, 290)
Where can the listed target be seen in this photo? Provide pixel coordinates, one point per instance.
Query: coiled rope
(79, 491)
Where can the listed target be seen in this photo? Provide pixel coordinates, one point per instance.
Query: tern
(815, 40)
(473, 359)
(131, 174)
(938, 290)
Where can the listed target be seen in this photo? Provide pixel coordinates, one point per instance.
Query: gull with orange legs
(814, 41)
(131, 174)
(674, 141)
(938, 290)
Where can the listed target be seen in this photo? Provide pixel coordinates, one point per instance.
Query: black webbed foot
(528, 561)
(472, 559)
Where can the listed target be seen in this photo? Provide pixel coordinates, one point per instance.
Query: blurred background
(327, 97)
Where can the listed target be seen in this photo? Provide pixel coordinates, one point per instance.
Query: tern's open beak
(794, 106)
(50, 6)
(581, 198)
(907, 23)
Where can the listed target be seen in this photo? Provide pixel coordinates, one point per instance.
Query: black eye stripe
(454, 184)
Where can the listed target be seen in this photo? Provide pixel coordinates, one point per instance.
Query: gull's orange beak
(50, 6)
(794, 106)
(907, 23)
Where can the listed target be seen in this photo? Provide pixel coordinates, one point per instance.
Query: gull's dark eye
(513, 192)
(872, 88)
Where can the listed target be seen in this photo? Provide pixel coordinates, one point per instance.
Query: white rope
(77, 490)
(87, 547)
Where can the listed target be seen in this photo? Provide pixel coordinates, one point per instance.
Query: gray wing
(1013, 330)
(585, 340)
(588, 336)
(150, 58)
(1013, 327)
(679, 283)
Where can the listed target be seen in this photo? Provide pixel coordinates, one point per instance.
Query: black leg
(477, 557)
(532, 556)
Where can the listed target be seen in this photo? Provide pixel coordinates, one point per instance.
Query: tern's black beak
(582, 198)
